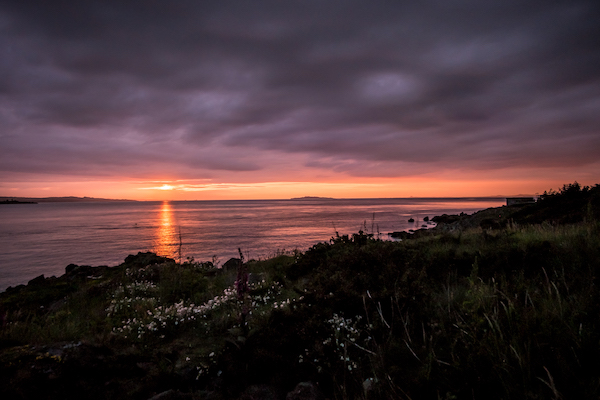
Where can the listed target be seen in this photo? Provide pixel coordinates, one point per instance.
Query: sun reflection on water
(166, 235)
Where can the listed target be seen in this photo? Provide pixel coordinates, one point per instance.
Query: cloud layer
(284, 90)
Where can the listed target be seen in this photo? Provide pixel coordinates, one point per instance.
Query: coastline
(39, 239)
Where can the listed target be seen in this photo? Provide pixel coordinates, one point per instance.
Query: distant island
(12, 201)
(312, 198)
(67, 199)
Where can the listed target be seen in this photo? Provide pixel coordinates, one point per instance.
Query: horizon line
(57, 199)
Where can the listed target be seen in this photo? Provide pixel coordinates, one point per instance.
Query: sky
(155, 100)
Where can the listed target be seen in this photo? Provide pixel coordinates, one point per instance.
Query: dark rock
(73, 269)
(38, 280)
(144, 259)
(70, 268)
(305, 391)
(14, 289)
(232, 264)
(411, 220)
(445, 219)
(400, 235)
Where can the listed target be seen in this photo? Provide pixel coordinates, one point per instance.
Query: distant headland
(67, 199)
(312, 198)
(12, 201)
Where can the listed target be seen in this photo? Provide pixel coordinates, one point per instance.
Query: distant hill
(312, 198)
(68, 199)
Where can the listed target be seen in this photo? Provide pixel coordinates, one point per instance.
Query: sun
(166, 187)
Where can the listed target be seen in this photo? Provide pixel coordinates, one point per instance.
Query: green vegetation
(511, 311)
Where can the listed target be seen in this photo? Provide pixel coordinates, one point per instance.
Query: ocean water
(44, 238)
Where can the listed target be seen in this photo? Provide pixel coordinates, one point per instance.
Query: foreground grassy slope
(505, 313)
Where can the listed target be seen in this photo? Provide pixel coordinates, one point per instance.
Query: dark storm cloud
(471, 84)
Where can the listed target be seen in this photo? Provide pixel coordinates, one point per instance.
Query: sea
(44, 238)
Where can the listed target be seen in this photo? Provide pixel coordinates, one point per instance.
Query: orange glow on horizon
(372, 188)
(442, 185)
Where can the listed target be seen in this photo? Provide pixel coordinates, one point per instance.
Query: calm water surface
(44, 238)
